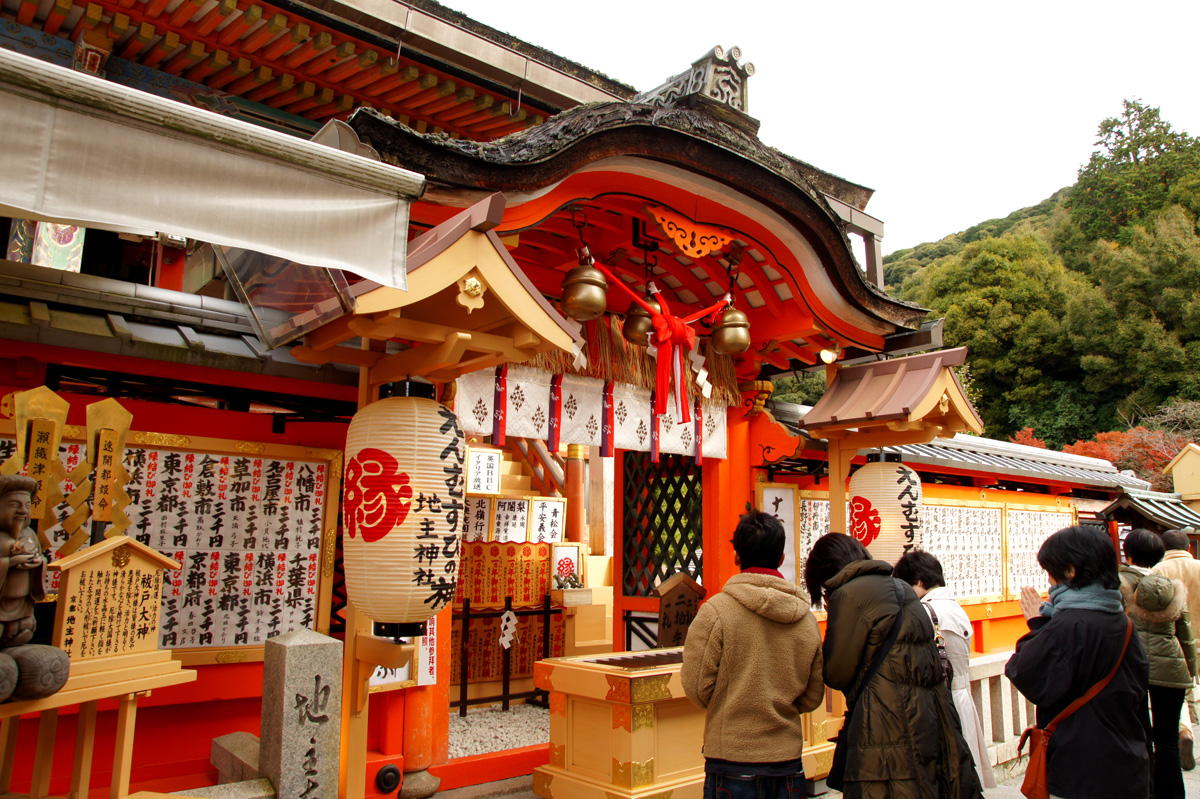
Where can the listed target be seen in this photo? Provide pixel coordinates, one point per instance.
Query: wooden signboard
(987, 547)
(111, 599)
(780, 500)
(253, 526)
(478, 519)
(679, 602)
(483, 470)
(512, 521)
(547, 518)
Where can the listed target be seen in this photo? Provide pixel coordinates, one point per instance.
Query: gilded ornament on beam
(650, 689)
(618, 688)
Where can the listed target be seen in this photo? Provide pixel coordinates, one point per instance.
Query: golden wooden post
(123, 750)
(85, 737)
(353, 784)
(8, 732)
(43, 758)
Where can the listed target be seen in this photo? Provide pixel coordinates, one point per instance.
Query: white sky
(954, 112)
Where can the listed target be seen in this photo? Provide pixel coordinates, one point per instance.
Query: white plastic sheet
(75, 148)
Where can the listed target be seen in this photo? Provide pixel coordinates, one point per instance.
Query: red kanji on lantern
(377, 495)
(864, 520)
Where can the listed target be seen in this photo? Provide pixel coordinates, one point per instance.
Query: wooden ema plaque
(679, 602)
(109, 599)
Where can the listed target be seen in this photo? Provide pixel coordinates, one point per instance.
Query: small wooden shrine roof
(897, 394)
(108, 545)
(1168, 511)
(680, 578)
(468, 306)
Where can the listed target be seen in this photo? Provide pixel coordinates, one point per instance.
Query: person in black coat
(1074, 639)
(903, 738)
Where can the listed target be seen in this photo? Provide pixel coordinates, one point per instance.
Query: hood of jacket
(1152, 597)
(769, 597)
(857, 569)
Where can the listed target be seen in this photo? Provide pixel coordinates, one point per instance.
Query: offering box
(620, 728)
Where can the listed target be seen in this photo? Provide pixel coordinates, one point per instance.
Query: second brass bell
(584, 293)
(731, 333)
(638, 327)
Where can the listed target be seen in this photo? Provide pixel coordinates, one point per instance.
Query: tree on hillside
(1140, 450)
(1026, 437)
(1139, 326)
(1178, 416)
(1004, 299)
(802, 388)
(1139, 160)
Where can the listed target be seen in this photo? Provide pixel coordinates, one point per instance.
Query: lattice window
(337, 609)
(663, 521)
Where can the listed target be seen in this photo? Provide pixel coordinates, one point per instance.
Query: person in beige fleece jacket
(1178, 564)
(753, 660)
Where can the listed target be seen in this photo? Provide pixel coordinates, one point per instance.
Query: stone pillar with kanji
(302, 715)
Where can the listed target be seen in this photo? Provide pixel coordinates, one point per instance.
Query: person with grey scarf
(1075, 639)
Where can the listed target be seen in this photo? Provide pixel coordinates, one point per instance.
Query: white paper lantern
(402, 512)
(886, 510)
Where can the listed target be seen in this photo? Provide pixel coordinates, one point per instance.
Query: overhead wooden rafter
(468, 307)
(270, 55)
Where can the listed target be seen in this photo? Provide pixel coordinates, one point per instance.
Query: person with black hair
(1179, 564)
(1158, 606)
(752, 659)
(1076, 638)
(901, 737)
(924, 573)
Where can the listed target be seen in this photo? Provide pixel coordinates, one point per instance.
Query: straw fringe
(611, 357)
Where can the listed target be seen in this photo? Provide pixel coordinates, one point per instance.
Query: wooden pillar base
(419, 785)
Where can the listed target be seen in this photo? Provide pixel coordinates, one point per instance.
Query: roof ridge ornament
(715, 82)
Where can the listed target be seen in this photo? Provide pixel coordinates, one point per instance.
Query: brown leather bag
(1035, 785)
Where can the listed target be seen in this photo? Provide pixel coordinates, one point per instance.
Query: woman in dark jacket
(1074, 640)
(904, 736)
(1158, 607)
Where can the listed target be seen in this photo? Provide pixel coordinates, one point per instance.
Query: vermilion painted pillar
(733, 490)
(576, 492)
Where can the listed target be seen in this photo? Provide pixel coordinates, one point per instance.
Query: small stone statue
(27, 671)
(569, 581)
(22, 566)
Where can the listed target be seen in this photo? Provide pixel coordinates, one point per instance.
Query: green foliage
(1002, 298)
(1140, 159)
(900, 268)
(804, 388)
(1082, 313)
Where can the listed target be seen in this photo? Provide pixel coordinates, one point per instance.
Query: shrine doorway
(662, 527)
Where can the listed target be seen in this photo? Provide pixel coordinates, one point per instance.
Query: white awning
(78, 149)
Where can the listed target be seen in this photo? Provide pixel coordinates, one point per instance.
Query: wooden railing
(547, 472)
(1002, 709)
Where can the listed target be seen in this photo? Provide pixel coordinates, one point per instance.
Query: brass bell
(731, 333)
(584, 293)
(638, 327)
